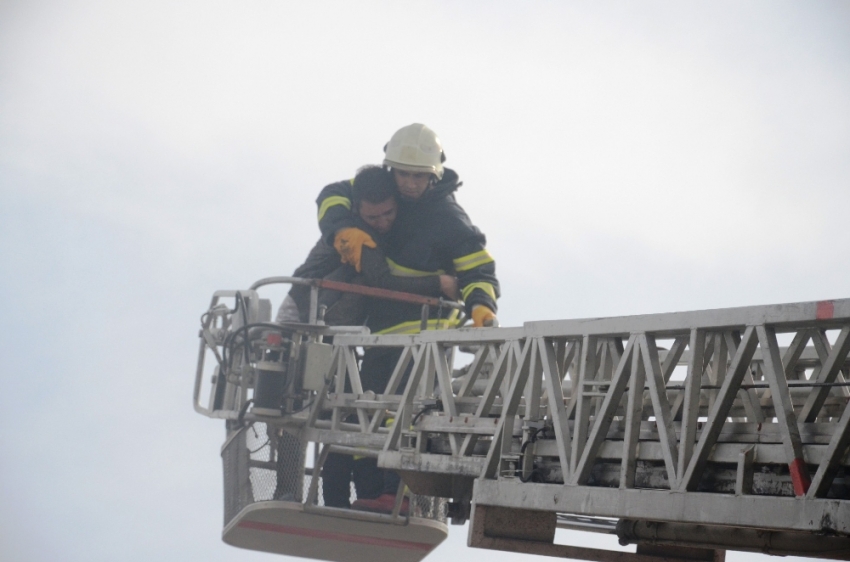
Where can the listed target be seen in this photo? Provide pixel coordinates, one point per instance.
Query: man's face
(412, 184)
(379, 216)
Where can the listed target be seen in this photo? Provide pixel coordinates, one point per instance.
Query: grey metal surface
(735, 417)
(763, 512)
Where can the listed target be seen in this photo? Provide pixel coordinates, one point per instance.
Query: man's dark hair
(373, 184)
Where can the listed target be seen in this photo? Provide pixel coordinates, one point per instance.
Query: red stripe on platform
(327, 535)
(826, 310)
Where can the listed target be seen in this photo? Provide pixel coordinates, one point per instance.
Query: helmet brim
(438, 173)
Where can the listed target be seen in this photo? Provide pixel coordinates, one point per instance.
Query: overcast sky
(622, 158)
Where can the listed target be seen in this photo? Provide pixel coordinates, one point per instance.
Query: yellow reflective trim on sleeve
(412, 327)
(465, 263)
(486, 287)
(331, 201)
(401, 271)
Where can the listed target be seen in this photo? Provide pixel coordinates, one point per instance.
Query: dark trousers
(375, 371)
(340, 470)
(338, 473)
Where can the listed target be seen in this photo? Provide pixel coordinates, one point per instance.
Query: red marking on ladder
(274, 339)
(800, 477)
(327, 535)
(826, 310)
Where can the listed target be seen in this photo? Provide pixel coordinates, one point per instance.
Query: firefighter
(432, 235)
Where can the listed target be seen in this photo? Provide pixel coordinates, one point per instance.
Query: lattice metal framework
(699, 418)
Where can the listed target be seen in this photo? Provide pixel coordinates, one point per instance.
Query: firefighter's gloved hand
(349, 243)
(483, 317)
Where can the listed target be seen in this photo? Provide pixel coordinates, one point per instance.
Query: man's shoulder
(336, 189)
(446, 210)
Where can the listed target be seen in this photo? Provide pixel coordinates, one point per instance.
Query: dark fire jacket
(432, 235)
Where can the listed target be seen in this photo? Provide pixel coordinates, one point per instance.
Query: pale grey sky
(621, 157)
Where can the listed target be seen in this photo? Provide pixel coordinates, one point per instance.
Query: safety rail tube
(206, 340)
(374, 292)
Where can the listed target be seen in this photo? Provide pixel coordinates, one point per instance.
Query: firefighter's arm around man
(335, 213)
(338, 224)
(376, 273)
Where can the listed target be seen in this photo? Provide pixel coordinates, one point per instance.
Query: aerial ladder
(686, 434)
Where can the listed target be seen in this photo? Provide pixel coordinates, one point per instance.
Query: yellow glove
(483, 317)
(349, 243)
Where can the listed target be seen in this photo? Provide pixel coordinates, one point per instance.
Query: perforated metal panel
(429, 507)
(262, 465)
(237, 485)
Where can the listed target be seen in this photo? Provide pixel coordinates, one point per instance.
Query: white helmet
(415, 148)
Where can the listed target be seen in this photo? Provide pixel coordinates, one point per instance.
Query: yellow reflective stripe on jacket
(331, 201)
(486, 287)
(401, 271)
(413, 327)
(470, 261)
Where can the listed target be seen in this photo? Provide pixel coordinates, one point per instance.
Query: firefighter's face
(379, 216)
(412, 184)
